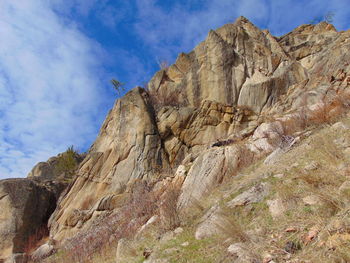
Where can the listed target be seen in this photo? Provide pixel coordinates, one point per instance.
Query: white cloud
(49, 92)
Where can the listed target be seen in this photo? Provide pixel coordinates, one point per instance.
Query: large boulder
(58, 167)
(25, 207)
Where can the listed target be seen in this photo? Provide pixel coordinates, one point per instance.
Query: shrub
(67, 161)
(169, 208)
(34, 239)
(162, 98)
(118, 86)
(163, 64)
(124, 223)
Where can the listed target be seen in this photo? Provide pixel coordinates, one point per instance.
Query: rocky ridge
(239, 96)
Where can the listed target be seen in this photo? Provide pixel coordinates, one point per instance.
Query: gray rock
(43, 252)
(254, 195)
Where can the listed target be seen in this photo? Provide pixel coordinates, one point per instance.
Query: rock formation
(212, 112)
(25, 208)
(26, 205)
(215, 95)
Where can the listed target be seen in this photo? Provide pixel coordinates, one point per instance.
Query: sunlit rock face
(204, 116)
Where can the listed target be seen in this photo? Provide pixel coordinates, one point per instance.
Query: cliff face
(237, 65)
(212, 112)
(217, 94)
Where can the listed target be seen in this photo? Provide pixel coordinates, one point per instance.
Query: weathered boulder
(212, 223)
(208, 171)
(52, 170)
(25, 207)
(187, 129)
(254, 195)
(43, 252)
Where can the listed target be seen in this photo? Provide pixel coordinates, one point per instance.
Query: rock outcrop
(194, 113)
(215, 110)
(127, 148)
(54, 168)
(237, 65)
(25, 207)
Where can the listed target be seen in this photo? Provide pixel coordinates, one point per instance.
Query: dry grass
(122, 224)
(125, 223)
(230, 227)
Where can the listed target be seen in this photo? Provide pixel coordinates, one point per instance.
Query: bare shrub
(245, 157)
(122, 224)
(230, 227)
(168, 208)
(321, 114)
(163, 64)
(290, 125)
(330, 109)
(34, 239)
(164, 97)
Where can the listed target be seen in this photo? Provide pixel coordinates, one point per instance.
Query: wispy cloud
(49, 92)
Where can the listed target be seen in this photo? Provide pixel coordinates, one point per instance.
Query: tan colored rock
(43, 252)
(128, 148)
(241, 253)
(345, 188)
(231, 86)
(211, 224)
(312, 200)
(207, 171)
(241, 76)
(276, 207)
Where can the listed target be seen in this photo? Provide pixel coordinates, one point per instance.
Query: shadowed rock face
(25, 206)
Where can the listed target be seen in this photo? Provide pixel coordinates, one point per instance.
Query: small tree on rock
(118, 86)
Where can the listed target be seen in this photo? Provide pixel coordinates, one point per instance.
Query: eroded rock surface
(25, 207)
(212, 112)
(127, 148)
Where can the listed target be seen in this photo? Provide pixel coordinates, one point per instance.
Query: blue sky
(58, 56)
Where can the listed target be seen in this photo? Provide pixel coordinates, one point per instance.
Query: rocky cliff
(238, 96)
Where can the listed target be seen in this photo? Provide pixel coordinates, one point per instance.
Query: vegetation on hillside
(67, 162)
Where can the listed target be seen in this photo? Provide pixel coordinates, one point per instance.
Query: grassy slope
(325, 148)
